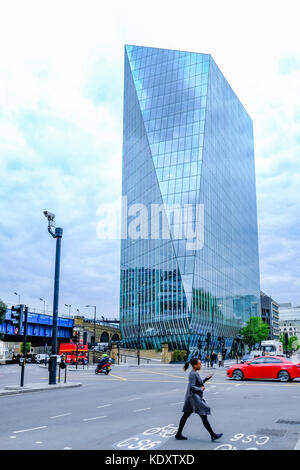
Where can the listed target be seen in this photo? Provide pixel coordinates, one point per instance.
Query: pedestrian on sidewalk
(220, 359)
(213, 358)
(207, 360)
(194, 401)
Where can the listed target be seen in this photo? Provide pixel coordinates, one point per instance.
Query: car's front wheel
(238, 375)
(284, 376)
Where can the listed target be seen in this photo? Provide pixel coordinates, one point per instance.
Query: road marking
(38, 442)
(215, 393)
(163, 373)
(13, 437)
(141, 409)
(59, 416)
(96, 417)
(67, 448)
(31, 429)
(297, 446)
(104, 406)
(133, 399)
(213, 386)
(120, 378)
(178, 403)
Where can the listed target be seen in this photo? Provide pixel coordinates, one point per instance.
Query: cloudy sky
(61, 92)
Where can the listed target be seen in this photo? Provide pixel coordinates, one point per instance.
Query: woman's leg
(182, 422)
(207, 425)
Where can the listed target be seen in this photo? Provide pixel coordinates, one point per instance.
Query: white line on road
(59, 416)
(96, 417)
(132, 399)
(31, 429)
(178, 403)
(104, 406)
(141, 409)
(13, 437)
(297, 446)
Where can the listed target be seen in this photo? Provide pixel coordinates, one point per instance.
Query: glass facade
(187, 139)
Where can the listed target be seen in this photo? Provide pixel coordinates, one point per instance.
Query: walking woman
(194, 401)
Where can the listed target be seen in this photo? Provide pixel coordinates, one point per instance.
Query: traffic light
(85, 337)
(17, 316)
(75, 337)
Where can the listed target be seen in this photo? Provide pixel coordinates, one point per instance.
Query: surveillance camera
(49, 215)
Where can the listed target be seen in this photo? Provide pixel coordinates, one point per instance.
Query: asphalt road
(140, 407)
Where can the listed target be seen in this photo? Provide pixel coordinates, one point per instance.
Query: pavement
(35, 387)
(140, 407)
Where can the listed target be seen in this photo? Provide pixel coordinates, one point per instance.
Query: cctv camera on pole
(58, 236)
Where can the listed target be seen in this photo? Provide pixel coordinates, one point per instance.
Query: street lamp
(94, 343)
(57, 234)
(69, 306)
(16, 293)
(44, 304)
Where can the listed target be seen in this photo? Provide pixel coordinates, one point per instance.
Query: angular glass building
(187, 140)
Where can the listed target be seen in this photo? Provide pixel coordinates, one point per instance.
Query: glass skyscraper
(187, 140)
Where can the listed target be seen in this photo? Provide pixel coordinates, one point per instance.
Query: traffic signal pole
(53, 358)
(24, 342)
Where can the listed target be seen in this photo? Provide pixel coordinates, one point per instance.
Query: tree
(3, 309)
(27, 348)
(255, 331)
(293, 342)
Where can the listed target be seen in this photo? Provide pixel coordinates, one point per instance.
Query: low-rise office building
(270, 315)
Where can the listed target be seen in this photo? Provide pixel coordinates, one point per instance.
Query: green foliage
(291, 340)
(27, 348)
(3, 308)
(255, 331)
(178, 355)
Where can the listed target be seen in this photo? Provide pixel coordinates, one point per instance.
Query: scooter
(105, 369)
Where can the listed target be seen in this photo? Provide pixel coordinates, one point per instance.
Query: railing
(123, 358)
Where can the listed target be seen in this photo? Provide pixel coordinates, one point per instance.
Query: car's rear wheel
(284, 376)
(238, 375)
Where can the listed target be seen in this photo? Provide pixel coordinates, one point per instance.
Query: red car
(265, 367)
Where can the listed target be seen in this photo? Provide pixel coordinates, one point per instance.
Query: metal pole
(24, 342)
(53, 359)
(94, 352)
(139, 328)
(77, 352)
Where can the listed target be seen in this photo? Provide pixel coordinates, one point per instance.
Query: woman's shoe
(217, 436)
(180, 437)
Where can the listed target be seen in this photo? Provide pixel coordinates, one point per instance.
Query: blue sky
(61, 92)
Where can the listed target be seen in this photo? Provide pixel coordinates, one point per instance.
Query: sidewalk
(16, 389)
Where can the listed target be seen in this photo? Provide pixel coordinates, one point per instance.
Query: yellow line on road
(169, 375)
(118, 377)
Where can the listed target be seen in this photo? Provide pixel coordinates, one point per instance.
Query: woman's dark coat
(194, 401)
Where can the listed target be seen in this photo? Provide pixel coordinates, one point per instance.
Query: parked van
(42, 358)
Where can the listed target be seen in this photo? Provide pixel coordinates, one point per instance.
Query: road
(140, 407)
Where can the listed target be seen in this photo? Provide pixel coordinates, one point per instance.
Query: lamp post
(44, 303)
(94, 343)
(57, 234)
(69, 306)
(16, 293)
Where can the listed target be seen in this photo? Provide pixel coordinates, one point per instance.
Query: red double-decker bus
(70, 352)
